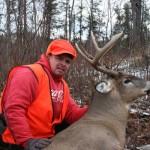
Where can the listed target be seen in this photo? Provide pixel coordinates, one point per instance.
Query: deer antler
(100, 52)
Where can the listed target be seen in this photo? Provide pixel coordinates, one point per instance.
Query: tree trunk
(136, 15)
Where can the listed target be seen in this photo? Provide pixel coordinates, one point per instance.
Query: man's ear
(103, 87)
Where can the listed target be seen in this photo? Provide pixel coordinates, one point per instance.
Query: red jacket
(22, 92)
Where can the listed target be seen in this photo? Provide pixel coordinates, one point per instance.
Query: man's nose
(63, 62)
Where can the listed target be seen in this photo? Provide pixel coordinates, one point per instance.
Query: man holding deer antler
(36, 98)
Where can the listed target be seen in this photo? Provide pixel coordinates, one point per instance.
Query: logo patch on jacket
(57, 96)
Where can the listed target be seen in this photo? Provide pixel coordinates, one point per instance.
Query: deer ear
(103, 87)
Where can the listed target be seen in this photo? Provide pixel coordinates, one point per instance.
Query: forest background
(28, 26)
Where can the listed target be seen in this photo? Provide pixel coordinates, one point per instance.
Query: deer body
(103, 126)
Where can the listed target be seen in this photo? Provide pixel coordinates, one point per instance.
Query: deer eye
(127, 81)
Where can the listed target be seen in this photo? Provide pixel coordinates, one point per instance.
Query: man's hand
(37, 143)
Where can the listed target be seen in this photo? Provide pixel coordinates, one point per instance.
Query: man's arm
(74, 112)
(21, 92)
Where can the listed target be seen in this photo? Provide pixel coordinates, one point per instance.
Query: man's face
(60, 64)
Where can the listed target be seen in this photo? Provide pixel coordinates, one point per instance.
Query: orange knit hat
(60, 46)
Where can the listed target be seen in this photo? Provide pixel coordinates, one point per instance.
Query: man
(36, 99)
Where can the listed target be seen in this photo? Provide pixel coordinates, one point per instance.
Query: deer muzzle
(147, 89)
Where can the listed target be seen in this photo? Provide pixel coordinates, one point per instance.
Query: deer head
(122, 83)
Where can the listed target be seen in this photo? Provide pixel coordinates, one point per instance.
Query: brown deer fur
(103, 126)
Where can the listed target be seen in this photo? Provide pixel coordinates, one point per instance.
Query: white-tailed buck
(103, 126)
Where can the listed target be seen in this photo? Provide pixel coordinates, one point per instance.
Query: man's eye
(68, 61)
(59, 58)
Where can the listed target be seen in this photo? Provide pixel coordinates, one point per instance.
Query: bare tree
(8, 31)
(80, 19)
(136, 16)
(71, 19)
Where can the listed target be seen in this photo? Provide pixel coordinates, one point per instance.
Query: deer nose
(148, 92)
(147, 88)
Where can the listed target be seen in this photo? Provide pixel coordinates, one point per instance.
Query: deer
(103, 127)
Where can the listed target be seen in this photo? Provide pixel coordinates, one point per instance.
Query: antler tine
(100, 52)
(88, 55)
(84, 55)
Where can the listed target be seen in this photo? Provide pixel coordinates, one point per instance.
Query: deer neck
(109, 110)
(110, 107)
